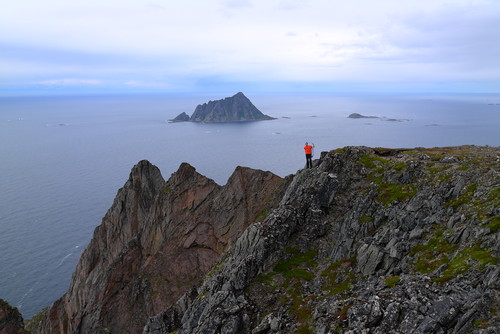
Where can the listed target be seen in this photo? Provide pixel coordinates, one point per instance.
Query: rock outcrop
(182, 117)
(157, 241)
(11, 321)
(366, 241)
(237, 108)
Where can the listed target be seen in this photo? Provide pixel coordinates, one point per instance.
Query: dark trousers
(309, 160)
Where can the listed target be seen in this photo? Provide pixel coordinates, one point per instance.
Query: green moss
(304, 329)
(338, 276)
(494, 197)
(339, 150)
(395, 192)
(167, 189)
(34, 323)
(296, 259)
(392, 281)
(365, 219)
(433, 254)
(467, 258)
(465, 198)
(494, 224)
(494, 194)
(215, 268)
(376, 178)
(372, 162)
(263, 214)
(481, 324)
(400, 166)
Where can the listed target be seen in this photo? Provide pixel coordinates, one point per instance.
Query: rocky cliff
(237, 108)
(367, 241)
(157, 241)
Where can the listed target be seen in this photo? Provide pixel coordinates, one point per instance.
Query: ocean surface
(64, 158)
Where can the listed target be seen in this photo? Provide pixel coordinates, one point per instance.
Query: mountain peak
(237, 108)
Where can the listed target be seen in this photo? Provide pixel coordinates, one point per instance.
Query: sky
(101, 46)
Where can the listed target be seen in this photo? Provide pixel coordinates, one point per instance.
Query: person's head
(306, 143)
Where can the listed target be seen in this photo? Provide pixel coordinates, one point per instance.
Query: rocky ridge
(367, 241)
(156, 242)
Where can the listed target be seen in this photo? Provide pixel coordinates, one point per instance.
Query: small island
(356, 115)
(237, 108)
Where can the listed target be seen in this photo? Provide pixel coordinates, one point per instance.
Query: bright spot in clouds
(195, 45)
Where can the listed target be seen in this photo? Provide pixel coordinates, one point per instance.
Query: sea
(63, 158)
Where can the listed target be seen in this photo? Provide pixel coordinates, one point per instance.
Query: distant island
(237, 108)
(356, 115)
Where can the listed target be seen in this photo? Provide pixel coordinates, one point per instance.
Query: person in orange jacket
(309, 154)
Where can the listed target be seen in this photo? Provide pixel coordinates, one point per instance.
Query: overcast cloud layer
(195, 45)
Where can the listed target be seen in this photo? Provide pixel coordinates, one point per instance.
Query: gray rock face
(237, 108)
(367, 241)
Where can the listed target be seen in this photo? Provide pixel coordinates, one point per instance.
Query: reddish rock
(157, 241)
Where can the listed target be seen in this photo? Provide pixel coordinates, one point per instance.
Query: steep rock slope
(367, 241)
(156, 242)
(237, 108)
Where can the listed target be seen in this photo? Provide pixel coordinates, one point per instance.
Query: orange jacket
(308, 149)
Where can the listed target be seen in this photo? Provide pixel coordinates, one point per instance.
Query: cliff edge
(157, 241)
(367, 241)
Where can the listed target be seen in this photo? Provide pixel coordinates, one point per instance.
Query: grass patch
(304, 329)
(297, 268)
(388, 192)
(365, 219)
(372, 162)
(465, 198)
(339, 150)
(400, 166)
(481, 324)
(392, 281)
(290, 276)
(263, 214)
(433, 254)
(290, 268)
(395, 192)
(466, 259)
(494, 224)
(338, 276)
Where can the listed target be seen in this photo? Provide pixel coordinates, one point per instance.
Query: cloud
(155, 6)
(135, 83)
(70, 82)
(237, 4)
(248, 41)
